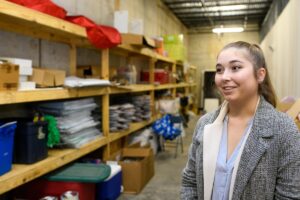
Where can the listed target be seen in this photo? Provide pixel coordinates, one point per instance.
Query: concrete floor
(165, 185)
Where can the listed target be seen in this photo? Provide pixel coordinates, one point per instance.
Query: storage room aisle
(165, 185)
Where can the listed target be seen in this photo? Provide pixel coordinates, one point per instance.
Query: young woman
(246, 149)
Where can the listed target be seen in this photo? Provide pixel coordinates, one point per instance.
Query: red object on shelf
(100, 36)
(45, 6)
(160, 76)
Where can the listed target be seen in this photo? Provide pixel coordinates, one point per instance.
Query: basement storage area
(100, 99)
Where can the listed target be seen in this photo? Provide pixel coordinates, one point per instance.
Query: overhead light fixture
(228, 30)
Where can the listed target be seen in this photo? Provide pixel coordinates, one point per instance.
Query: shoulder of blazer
(271, 121)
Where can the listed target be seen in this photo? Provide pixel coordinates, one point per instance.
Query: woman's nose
(226, 75)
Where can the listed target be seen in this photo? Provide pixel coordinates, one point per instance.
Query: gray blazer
(269, 167)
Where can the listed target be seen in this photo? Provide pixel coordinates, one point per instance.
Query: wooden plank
(10, 97)
(174, 69)
(21, 174)
(105, 114)
(152, 62)
(133, 127)
(92, 91)
(30, 18)
(131, 88)
(73, 59)
(105, 64)
(117, 5)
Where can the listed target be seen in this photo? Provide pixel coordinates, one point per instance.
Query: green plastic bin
(81, 172)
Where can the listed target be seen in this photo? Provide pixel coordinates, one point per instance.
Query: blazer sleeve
(189, 175)
(288, 177)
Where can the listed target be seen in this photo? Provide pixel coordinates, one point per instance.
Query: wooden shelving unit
(18, 19)
(21, 174)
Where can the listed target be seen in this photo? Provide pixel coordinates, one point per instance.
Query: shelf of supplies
(21, 174)
(133, 127)
(27, 21)
(10, 97)
(144, 51)
(131, 88)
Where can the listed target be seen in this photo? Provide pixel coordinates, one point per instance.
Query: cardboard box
(137, 168)
(136, 39)
(25, 65)
(136, 26)
(9, 76)
(121, 21)
(48, 77)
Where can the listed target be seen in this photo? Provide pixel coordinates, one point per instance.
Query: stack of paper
(74, 120)
(142, 105)
(120, 116)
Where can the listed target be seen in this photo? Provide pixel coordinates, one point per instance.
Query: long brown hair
(257, 58)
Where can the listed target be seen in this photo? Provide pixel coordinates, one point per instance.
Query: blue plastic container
(7, 132)
(110, 189)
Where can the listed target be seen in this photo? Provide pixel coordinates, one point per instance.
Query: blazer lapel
(211, 142)
(258, 142)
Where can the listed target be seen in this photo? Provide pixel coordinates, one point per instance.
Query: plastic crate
(7, 132)
(110, 189)
(30, 141)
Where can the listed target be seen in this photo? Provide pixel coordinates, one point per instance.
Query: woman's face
(235, 75)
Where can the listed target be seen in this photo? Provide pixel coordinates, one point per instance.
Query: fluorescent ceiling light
(228, 30)
(227, 8)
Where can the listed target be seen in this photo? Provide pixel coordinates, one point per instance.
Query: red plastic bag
(104, 36)
(100, 36)
(44, 6)
(28, 2)
(81, 20)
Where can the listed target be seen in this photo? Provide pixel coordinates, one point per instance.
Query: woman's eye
(219, 70)
(235, 68)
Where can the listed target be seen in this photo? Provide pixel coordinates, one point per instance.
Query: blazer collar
(257, 143)
(211, 140)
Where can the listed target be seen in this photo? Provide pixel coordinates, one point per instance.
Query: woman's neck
(245, 109)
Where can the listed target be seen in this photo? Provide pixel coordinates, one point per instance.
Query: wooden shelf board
(10, 97)
(91, 91)
(131, 88)
(21, 174)
(133, 127)
(164, 86)
(144, 51)
(20, 19)
(163, 58)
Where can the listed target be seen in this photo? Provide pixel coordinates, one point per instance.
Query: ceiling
(203, 15)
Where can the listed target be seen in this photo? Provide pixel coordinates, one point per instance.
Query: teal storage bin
(7, 132)
(81, 172)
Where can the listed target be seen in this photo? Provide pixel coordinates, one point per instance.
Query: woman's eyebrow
(218, 65)
(234, 61)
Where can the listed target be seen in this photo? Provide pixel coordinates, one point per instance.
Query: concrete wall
(158, 20)
(282, 49)
(204, 48)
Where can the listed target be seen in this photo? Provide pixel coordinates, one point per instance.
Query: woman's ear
(261, 74)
